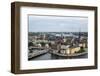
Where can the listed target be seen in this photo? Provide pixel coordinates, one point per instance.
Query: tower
(79, 35)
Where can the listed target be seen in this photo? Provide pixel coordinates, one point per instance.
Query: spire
(79, 34)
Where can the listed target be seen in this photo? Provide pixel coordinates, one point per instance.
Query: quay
(36, 54)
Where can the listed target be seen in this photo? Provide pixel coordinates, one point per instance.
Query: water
(49, 56)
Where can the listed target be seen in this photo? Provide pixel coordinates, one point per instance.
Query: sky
(37, 23)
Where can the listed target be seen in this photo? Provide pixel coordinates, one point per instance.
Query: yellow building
(74, 49)
(82, 45)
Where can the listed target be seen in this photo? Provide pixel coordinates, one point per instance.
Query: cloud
(57, 24)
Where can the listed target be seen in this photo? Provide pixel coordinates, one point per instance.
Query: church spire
(79, 34)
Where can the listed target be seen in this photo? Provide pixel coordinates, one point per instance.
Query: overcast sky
(57, 24)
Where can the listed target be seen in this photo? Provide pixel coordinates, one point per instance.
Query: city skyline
(57, 24)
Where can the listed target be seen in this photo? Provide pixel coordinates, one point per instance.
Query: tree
(30, 44)
(43, 44)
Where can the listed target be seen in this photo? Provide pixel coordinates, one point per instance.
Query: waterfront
(49, 56)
